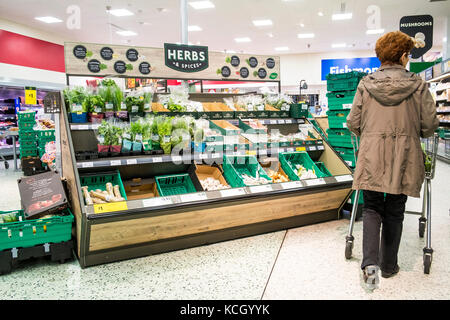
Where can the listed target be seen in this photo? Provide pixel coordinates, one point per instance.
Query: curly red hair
(391, 46)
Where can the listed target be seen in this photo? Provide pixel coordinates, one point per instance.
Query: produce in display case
(211, 181)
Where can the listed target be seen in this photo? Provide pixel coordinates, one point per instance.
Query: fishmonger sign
(335, 66)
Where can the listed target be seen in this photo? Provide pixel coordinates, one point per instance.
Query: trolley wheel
(422, 225)
(427, 263)
(348, 250)
(6, 165)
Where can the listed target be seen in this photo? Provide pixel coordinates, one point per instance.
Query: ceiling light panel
(260, 23)
(375, 31)
(48, 19)
(198, 5)
(194, 28)
(341, 16)
(126, 33)
(121, 12)
(305, 35)
(243, 39)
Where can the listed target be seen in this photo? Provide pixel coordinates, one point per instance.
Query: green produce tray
(344, 81)
(174, 184)
(340, 100)
(99, 180)
(347, 154)
(298, 111)
(26, 116)
(444, 133)
(289, 160)
(26, 126)
(340, 138)
(323, 168)
(27, 233)
(248, 129)
(47, 135)
(212, 125)
(337, 119)
(236, 166)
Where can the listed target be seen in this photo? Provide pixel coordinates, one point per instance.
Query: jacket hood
(390, 85)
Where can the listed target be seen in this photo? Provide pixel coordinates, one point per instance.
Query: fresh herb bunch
(117, 98)
(93, 101)
(136, 128)
(164, 131)
(77, 96)
(174, 107)
(109, 83)
(131, 101)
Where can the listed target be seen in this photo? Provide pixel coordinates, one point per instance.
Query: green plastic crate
(26, 126)
(99, 180)
(289, 160)
(340, 100)
(340, 138)
(47, 135)
(27, 233)
(344, 81)
(337, 119)
(347, 154)
(26, 116)
(234, 167)
(323, 168)
(174, 184)
(27, 144)
(32, 152)
(297, 111)
(27, 135)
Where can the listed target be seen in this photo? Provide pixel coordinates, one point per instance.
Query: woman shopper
(391, 110)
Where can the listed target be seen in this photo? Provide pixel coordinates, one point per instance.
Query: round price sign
(120, 66)
(79, 51)
(132, 54)
(226, 72)
(106, 53)
(94, 65)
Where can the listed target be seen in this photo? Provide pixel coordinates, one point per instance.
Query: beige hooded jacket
(391, 110)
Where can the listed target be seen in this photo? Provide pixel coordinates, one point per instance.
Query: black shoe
(370, 275)
(390, 274)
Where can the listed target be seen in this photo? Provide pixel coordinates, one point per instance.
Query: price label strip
(314, 182)
(131, 161)
(344, 178)
(157, 159)
(110, 207)
(259, 189)
(232, 192)
(312, 148)
(116, 162)
(156, 202)
(87, 165)
(291, 185)
(193, 197)
(300, 149)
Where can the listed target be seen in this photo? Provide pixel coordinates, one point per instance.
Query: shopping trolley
(431, 145)
(2, 157)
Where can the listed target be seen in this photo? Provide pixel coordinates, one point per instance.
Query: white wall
(30, 32)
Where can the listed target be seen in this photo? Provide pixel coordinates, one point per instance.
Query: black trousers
(388, 212)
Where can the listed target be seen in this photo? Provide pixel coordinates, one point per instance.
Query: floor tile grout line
(274, 263)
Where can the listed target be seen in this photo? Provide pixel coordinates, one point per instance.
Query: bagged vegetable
(164, 128)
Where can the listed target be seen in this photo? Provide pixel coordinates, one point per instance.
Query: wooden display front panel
(221, 217)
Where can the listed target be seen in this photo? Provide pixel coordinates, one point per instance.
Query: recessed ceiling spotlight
(260, 23)
(243, 39)
(320, 13)
(338, 45)
(375, 31)
(194, 28)
(126, 33)
(198, 5)
(305, 35)
(48, 19)
(341, 16)
(120, 12)
(302, 25)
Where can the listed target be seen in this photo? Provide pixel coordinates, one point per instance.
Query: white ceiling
(228, 20)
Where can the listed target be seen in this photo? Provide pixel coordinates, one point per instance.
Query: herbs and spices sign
(174, 61)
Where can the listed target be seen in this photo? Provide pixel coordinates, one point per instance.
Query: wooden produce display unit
(143, 226)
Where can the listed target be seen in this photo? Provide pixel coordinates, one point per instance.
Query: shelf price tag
(193, 197)
(288, 121)
(203, 156)
(82, 127)
(259, 189)
(291, 185)
(87, 165)
(314, 182)
(110, 207)
(273, 121)
(347, 106)
(263, 152)
(157, 159)
(280, 121)
(156, 202)
(131, 161)
(300, 149)
(30, 95)
(344, 178)
(116, 162)
(344, 125)
(290, 149)
(320, 147)
(232, 192)
(312, 148)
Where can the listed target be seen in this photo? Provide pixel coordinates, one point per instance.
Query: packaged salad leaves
(279, 101)
(76, 99)
(155, 135)
(135, 103)
(164, 128)
(147, 134)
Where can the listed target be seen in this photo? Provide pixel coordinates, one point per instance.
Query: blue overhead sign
(335, 66)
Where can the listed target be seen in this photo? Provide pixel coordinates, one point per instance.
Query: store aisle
(311, 263)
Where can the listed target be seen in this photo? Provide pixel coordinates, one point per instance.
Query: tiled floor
(301, 263)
